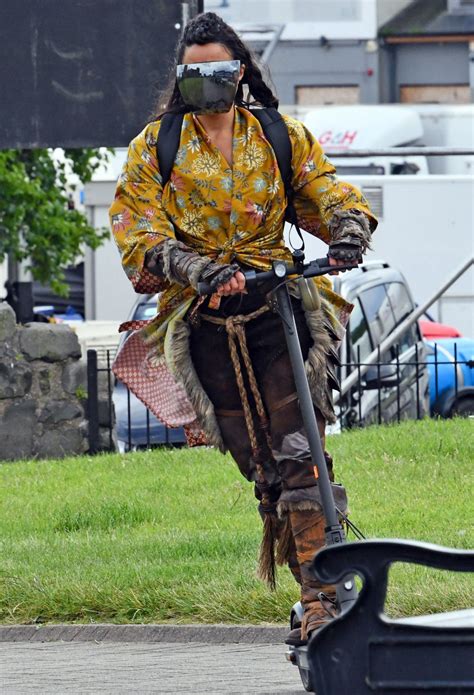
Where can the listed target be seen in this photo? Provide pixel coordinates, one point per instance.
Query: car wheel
(463, 408)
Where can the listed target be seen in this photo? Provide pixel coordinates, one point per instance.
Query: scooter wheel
(306, 679)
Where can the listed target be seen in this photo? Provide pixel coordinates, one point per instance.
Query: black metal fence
(438, 384)
(100, 404)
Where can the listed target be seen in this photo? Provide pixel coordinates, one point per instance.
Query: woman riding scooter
(219, 365)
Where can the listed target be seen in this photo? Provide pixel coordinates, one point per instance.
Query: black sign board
(83, 73)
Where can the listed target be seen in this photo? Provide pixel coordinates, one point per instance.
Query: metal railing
(396, 388)
(400, 387)
(100, 399)
(401, 152)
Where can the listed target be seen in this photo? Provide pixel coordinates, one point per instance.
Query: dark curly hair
(210, 28)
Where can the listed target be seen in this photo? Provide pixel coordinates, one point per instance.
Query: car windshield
(359, 331)
(377, 311)
(145, 310)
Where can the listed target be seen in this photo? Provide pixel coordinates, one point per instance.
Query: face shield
(209, 87)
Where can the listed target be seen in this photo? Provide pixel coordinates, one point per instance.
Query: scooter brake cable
(355, 530)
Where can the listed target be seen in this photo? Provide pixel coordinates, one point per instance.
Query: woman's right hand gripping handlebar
(235, 285)
(176, 262)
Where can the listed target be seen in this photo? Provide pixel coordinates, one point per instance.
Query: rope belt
(235, 328)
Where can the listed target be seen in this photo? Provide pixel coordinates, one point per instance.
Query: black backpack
(275, 131)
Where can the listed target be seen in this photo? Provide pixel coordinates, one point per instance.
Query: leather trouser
(290, 480)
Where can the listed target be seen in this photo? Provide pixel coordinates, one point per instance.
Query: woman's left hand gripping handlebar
(334, 262)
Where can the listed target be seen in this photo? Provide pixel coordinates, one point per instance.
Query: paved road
(107, 667)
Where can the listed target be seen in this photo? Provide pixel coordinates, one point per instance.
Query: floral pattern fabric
(229, 213)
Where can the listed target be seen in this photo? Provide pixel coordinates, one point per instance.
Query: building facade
(360, 51)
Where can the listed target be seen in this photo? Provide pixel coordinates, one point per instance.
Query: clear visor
(209, 87)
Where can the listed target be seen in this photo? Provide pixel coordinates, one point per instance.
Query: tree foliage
(36, 222)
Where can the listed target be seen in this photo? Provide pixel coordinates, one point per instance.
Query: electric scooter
(360, 651)
(279, 274)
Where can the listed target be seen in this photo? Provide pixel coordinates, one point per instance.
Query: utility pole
(19, 288)
(190, 9)
(471, 68)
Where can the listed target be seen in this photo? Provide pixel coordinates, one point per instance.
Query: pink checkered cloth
(155, 386)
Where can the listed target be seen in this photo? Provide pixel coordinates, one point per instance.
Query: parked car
(137, 427)
(431, 329)
(398, 387)
(48, 313)
(451, 370)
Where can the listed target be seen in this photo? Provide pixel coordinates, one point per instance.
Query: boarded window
(460, 5)
(435, 94)
(321, 96)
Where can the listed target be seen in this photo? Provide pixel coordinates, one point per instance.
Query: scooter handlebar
(320, 266)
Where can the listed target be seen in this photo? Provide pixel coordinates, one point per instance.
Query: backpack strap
(276, 132)
(167, 143)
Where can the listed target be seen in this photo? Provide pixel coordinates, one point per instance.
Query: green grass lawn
(173, 535)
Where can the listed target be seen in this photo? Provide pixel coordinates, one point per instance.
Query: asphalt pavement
(128, 665)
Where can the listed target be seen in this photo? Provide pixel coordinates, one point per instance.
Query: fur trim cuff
(350, 223)
(181, 365)
(310, 498)
(320, 363)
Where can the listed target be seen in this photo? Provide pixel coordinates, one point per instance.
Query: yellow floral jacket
(232, 214)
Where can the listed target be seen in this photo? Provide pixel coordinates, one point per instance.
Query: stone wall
(43, 391)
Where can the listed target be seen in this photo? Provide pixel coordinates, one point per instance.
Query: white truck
(447, 125)
(342, 128)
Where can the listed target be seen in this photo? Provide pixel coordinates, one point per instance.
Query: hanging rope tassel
(285, 539)
(266, 561)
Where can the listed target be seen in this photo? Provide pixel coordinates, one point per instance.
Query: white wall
(386, 9)
(335, 19)
(304, 19)
(108, 292)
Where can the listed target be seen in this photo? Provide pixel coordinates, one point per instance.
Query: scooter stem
(346, 591)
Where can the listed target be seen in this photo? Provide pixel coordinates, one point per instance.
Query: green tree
(36, 222)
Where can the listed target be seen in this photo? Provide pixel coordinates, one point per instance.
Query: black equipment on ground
(363, 651)
(82, 73)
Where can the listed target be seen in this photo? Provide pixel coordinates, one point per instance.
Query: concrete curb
(208, 634)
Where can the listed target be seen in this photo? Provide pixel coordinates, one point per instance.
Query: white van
(448, 125)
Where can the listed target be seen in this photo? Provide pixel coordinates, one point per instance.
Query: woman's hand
(235, 285)
(335, 262)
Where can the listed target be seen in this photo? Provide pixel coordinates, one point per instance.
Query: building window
(463, 6)
(322, 96)
(435, 94)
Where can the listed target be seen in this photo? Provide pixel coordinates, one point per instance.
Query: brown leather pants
(270, 361)
(290, 479)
